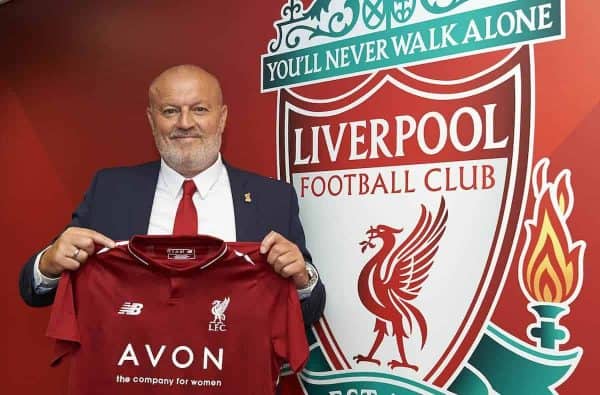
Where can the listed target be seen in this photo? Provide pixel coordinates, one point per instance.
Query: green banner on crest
(501, 363)
(446, 36)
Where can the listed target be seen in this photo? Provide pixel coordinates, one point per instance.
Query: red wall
(73, 81)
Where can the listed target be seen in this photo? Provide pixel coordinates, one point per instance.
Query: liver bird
(393, 278)
(218, 309)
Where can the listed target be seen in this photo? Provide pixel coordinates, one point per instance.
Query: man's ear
(149, 116)
(223, 118)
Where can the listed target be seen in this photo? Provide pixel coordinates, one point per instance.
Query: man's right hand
(70, 250)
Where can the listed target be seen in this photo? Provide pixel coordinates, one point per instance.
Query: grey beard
(193, 162)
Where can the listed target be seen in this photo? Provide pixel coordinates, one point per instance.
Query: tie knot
(189, 188)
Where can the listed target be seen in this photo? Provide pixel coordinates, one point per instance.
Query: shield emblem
(411, 190)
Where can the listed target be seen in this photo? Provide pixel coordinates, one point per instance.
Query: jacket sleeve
(80, 218)
(313, 306)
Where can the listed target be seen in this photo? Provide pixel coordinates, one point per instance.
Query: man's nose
(185, 120)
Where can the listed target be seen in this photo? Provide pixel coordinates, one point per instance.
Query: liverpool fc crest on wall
(413, 185)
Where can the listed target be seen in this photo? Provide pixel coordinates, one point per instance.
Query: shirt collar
(204, 180)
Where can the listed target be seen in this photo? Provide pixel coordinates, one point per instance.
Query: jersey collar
(177, 253)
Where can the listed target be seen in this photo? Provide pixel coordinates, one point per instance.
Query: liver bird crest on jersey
(393, 278)
(218, 311)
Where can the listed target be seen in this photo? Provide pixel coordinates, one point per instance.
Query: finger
(66, 252)
(276, 251)
(86, 243)
(71, 257)
(269, 240)
(70, 230)
(283, 261)
(82, 256)
(99, 238)
(292, 269)
(96, 237)
(296, 270)
(69, 264)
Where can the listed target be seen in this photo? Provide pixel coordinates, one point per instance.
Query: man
(187, 117)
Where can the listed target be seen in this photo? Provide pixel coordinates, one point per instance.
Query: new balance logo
(130, 308)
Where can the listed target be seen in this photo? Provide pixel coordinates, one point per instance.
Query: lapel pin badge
(248, 197)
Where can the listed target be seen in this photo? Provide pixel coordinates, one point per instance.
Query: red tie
(186, 219)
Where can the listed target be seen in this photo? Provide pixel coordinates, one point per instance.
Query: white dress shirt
(213, 201)
(214, 205)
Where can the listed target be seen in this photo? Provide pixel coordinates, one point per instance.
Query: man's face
(187, 118)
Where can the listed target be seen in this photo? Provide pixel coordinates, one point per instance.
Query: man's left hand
(286, 258)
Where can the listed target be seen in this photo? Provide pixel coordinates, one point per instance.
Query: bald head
(185, 77)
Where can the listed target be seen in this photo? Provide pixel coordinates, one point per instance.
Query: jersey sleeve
(289, 338)
(63, 327)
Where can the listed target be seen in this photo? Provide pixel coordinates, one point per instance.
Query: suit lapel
(142, 198)
(248, 226)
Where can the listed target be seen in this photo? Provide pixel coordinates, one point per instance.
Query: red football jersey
(177, 315)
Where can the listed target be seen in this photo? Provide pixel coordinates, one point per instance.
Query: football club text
(398, 180)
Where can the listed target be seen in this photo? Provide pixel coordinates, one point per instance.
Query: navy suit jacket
(119, 201)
